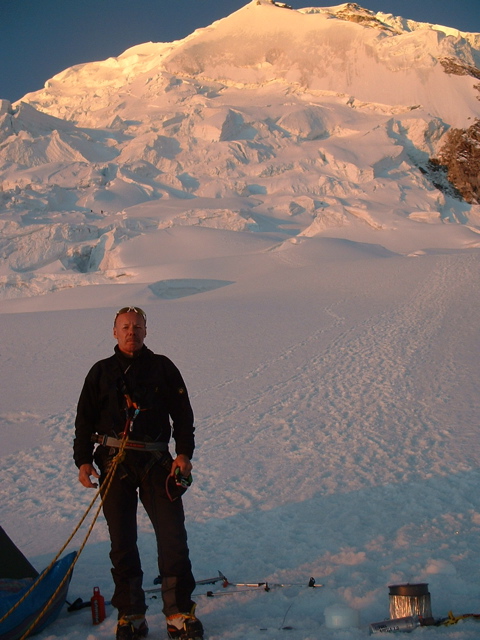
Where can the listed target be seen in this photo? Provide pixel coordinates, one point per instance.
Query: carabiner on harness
(132, 410)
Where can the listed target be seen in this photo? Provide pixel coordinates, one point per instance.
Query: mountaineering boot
(131, 628)
(184, 626)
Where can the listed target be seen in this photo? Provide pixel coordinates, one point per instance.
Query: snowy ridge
(324, 47)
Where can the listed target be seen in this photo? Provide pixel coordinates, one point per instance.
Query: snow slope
(268, 120)
(320, 296)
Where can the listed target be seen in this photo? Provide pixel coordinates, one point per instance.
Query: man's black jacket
(154, 384)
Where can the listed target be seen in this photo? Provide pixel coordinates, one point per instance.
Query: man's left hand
(183, 463)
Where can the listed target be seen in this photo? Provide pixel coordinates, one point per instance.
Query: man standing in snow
(126, 405)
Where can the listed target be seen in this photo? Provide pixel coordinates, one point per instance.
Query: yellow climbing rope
(102, 492)
(451, 620)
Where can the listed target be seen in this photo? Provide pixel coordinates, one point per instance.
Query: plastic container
(341, 616)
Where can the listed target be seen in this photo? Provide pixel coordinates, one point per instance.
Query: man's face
(130, 331)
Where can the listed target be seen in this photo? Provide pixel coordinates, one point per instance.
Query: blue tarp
(17, 623)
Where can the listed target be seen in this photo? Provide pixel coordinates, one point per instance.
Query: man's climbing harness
(139, 445)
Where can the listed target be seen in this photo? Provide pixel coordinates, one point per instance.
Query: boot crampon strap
(184, 626)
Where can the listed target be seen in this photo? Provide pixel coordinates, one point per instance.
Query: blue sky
(39, 38)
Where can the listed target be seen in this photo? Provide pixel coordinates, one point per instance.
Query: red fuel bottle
(97, 602)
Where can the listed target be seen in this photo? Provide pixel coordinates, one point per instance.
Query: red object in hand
(97, 602)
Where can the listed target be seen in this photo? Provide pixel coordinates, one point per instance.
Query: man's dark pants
(129, 483)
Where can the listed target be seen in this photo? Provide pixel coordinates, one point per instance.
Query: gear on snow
(132, 628)
(184, 626)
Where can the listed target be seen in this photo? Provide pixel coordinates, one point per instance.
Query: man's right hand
(84, 473)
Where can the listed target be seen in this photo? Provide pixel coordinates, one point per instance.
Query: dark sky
(39, 38)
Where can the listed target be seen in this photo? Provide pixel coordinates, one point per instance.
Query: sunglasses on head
(134, 309)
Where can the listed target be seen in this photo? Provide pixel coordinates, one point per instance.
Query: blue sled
(35, 604)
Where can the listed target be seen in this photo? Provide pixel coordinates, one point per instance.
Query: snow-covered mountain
(298, 122)
(263, 190)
